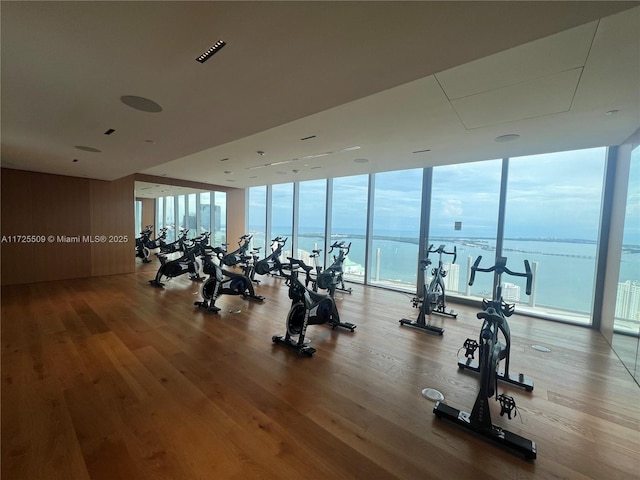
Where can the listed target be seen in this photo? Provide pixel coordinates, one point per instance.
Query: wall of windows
(543, 208)
(197, 212)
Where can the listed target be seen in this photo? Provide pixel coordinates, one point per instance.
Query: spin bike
(222, 282)
(235, 257)
(331, 277)
(470, 345)
(271, 263)
(179, 245)
(144, 244)
(187, 263)
(433, 295)
(307, 308)
(493, 315)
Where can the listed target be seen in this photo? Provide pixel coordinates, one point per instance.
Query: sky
(556, 195)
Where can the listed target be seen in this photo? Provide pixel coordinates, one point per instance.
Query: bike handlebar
(340, 245)
(501, 267)
(441, 250)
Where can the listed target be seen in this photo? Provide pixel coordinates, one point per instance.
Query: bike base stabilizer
(303, 350)
(422, 326)
(503, 438)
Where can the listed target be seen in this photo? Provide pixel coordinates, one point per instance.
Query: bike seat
(491, 315)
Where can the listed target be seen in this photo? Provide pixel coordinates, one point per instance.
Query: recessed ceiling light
(360, 160)
(87, 149)
(215, 48)
(507, 138)
(74, 160)
(141, 103)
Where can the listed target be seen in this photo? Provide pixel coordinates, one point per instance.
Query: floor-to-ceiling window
(205, 213)
(257, 217)
(396, 228)
(552, 219)
(311, 218)
(550, 216)
(170, 219)
(464, 214)
(219, 235)
(349, 222)
(282, 215)
(190, 214)
(627, 309)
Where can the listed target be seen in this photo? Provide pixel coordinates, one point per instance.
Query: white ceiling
(391, 78)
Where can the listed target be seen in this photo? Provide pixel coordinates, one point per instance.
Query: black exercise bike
(272, 263)
(307, 308)
(222, 282)
(187, 263)
(331, 277)
(144, 244)
(237, 256)
(492, 352)
(470, 345)
(432, 298)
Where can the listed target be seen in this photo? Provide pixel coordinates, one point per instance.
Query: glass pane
(180, 220)
(220, 218)
(205, 213)
(138, 216)
(552, 220)
(191, 214)
(311, 225)
(396, 229)
(464, 214)
(349, 222)
(257, 221)
(626, 338)
(159, 213)
(282, 215)
(169, 219)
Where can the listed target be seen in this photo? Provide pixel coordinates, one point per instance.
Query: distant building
(511, 292)
(452, 280)
(628, 300)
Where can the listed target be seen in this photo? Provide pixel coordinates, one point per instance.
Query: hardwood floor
(110, 378)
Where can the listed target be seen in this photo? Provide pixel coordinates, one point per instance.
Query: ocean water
(564, 269)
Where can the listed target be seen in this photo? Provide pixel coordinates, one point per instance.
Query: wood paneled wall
(149, 214)
(236, 213)
(68, 212)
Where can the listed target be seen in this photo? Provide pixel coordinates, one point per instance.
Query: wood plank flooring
(110, 378)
